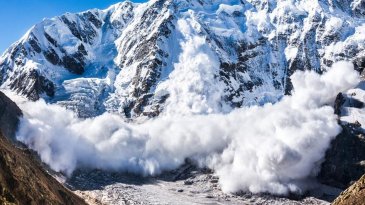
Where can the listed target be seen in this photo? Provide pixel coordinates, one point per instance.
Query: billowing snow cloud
(258, 149)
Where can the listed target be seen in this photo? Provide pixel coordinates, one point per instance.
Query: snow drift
(258, 149)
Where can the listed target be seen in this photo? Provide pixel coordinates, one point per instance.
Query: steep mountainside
(9, 117)
(354, 195)
(22, 179)
(181, 56)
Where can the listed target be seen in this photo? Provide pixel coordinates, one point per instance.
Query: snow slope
(181, 56)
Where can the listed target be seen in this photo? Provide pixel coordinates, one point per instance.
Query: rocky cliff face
(345, 160)
(22, 179)
(9, 117)
(354, 195)
(191, 56)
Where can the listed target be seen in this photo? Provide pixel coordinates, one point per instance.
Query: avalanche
(272, 148)
(205, 80)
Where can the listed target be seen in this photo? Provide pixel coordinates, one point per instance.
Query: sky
(17, 16)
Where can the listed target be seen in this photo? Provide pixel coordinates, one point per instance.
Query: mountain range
(181, 56)
(174, 58)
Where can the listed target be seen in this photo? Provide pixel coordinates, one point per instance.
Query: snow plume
(259, 149)
(192, 86)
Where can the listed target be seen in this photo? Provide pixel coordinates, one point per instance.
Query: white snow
(352, 114)
(192, 85)
(219, 27)
(271, 148)
(258, 149)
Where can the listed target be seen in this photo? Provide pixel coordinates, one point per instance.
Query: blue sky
(17, 16)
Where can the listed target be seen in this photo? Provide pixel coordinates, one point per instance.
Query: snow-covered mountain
(181, 56)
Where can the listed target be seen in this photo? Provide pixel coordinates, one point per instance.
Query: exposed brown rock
(22, 178)
(354, 195)
(23, 181)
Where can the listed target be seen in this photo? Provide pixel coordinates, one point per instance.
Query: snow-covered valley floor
(187, 185)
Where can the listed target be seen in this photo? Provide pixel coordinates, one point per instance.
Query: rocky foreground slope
(22, 179)
(354, 195)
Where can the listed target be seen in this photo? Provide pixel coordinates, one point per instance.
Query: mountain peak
(128, 58)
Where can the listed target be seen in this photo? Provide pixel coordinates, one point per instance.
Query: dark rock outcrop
(9, 116)
(38, 85)
(340, 100)
(345, 160)
(22, 178)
